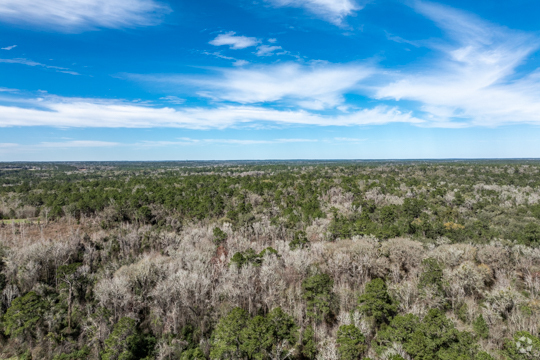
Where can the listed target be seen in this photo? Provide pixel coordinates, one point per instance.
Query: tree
(226, 337)
(71, 276)
(351, 342)
(432, 276)
(126, 343)
(24, 315)
(320, 298)
(309, 345)
(436, 338)
(377, 303)
(283, 334)
(255, 338)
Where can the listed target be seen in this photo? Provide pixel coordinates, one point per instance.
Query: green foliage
(250, 257)
(309, 346)
(236, 336)
(219, 236)
(81, 354)
(529, 235)
(226, 336)
(376, 303)
(432, 338)
(462, 312)
(398, 331)
(351, 342)
(24, 315)
(299, 241)
(480, 327)
(126, 343)
(482, 355)
(524, 346)
(193, 354)
(432, 275)
(319, 296)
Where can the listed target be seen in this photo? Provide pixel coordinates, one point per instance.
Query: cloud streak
(77, 15)
(234, 42)
(317, 86)
(9, 47)
(27, 62)
(474, 80)
(93, 113)
(334, 11)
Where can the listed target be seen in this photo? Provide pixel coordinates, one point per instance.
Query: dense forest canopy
(270, 260)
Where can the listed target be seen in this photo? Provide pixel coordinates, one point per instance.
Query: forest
(326, 260)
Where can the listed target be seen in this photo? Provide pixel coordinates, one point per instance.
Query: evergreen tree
(319, 296)
(351, 342)
(377, 303)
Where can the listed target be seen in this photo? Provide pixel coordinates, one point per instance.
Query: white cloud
(240, 63)
(267, 50)
(2, 89)
(332, 10)
(9, 47)
(233, 41)
(173, 99)
(73, 112)
(474, 80)
(74, 15)
(27, 62)
(316, 86)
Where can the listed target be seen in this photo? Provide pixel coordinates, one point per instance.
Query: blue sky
(268, 79)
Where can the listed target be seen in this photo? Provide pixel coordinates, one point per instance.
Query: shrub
(480, 327)
(219, 236)
(523, 346)
(299, 241)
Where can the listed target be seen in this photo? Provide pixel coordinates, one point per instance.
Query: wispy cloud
(91, 113)
(173, 99)
(234, 41)
(474, 80)
(27, 62)
(76, 15)
(267, 50)
(334, 11)
(9, 47)
(316, 86)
